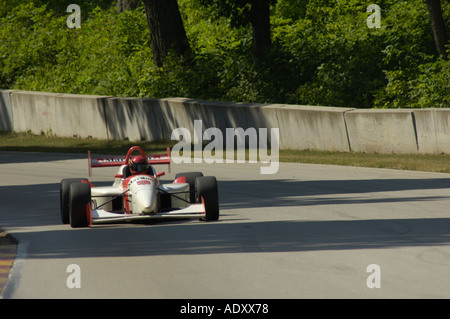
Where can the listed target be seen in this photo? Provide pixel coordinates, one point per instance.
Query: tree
(166, 29)
(242, 12)
(123, 5)
(260, 20)
(438, 25)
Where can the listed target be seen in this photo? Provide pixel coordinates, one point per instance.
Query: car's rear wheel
(206, 188)
(79, 204)
(190, 179)
(64, 197)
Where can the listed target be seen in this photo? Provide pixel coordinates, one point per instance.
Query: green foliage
(323, 53)
(57, 6)
(416, 77)
(429, 87)
(24, 48)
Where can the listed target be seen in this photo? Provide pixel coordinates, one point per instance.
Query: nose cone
(149, 205)
(143, 190)
(145, 199)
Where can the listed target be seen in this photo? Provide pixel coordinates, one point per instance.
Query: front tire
(79, 205)
(64, 197)
(206, 188)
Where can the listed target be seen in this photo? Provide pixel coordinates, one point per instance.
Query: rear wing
(110, 161)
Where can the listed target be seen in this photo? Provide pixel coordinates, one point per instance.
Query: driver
(138, 165)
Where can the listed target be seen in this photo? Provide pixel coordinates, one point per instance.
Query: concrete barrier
(381, 131)
(300, 127)
(138, 119)
(263, 116)
(178, 113)
(6, 114)
(135, 119)
(63, 115)
(313, 128)
(433, 130)
(182, 112)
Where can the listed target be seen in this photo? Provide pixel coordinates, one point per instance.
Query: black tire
(64, 197)
(190, 179)
(206, 187)
(79, 198)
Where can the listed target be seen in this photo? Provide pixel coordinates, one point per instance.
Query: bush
(429, 87)
(323, 53)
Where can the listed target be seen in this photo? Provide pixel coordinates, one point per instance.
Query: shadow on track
(232, 235)
(222, 237)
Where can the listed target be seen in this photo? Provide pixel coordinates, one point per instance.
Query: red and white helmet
(138, 164)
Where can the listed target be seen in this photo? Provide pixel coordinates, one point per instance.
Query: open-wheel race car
(137, 193)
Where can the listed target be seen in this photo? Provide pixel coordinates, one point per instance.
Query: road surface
(309, 231)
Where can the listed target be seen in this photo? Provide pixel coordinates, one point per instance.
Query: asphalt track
(309, 231)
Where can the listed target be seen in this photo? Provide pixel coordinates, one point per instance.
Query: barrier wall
(134, 119)
(433, 130)
(300, 127)
(381, 131)
(313, 127)
(63, 115)
(6, 115)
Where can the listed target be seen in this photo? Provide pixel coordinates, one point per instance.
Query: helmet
(138, 164)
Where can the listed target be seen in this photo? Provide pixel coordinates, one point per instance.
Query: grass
(25, 142)
(414, 162)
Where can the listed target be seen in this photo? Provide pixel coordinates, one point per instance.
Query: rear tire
(190, 179)
(79, 199)
(64, 197)
(206, 188)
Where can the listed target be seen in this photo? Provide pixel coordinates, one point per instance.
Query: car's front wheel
(64, 197)
(206, 189)
(79, 204)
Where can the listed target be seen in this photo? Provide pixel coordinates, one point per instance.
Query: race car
(137, 193)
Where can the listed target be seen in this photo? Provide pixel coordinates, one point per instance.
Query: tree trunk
(438, 25)
(123, 5)
(166, 29)
(260, 19)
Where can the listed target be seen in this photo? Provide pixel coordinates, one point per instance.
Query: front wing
(99, 216)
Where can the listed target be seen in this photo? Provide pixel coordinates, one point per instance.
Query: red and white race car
(137, 193)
